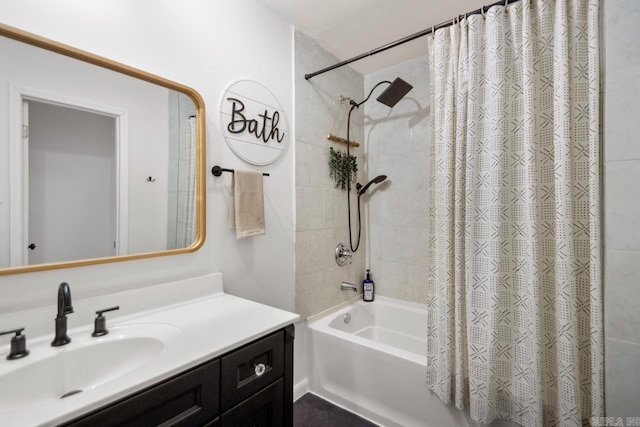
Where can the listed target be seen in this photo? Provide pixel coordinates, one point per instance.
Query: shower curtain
(515, 326)
(186, 230)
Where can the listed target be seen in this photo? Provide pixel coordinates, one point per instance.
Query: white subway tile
(622, 205)
(622, 372)
(621, 124)
(622, 295)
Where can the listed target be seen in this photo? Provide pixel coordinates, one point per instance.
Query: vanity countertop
(204, 328)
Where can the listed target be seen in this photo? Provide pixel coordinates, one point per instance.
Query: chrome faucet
(346, 286)
(64, 308)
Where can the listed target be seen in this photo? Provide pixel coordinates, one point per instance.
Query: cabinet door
(190, 399)
(264, 409)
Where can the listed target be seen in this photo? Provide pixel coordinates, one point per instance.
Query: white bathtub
(375, 365)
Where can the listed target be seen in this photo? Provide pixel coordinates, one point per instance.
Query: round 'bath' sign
(253, 122)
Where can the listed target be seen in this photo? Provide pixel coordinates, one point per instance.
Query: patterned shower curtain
(515, 327)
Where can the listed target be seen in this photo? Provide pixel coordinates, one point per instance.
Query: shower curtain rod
(406, 39)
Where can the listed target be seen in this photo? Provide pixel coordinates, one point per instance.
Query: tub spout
(346, 286)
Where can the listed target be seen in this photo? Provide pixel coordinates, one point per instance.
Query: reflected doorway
(72, 177)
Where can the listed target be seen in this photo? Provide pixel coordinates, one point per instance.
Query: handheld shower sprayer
(377, 180)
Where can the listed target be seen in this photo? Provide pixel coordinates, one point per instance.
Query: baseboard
(300, 389)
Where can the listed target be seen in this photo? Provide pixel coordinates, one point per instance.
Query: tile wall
(621, 114)
(321, 209)
(398, 146)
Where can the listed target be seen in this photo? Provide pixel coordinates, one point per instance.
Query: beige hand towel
(246, 212)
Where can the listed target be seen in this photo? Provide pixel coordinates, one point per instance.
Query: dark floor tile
(312, 411)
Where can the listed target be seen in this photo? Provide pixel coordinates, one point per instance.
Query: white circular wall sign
(253, 122)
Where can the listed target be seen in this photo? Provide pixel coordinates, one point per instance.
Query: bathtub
(375, 365)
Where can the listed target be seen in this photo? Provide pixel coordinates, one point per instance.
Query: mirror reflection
(95, 163)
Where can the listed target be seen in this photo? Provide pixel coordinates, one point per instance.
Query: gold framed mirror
(101, 162)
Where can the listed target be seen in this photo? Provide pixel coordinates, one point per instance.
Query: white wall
(203, 44)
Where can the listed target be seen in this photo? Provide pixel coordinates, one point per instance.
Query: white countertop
(211, 326)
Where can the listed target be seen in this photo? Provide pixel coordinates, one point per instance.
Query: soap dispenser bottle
(367, 288)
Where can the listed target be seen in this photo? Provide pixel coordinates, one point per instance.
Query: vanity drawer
(187, 400)
(251, 368)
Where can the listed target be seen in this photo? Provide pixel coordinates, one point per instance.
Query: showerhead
(394, 92)
(377, 180)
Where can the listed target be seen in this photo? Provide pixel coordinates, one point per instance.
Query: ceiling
(347, 28)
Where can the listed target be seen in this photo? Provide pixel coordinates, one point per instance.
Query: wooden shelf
(334, 138)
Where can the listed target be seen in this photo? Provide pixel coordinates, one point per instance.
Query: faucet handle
(18, 344)
(343, 255)
(100, 324)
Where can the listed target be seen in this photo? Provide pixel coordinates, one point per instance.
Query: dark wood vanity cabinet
(249, 386)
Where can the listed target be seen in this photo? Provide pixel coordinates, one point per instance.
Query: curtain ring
(482, 11)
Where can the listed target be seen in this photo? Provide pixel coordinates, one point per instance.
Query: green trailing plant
(342, 169)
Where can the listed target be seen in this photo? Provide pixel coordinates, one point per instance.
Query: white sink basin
(54, 373)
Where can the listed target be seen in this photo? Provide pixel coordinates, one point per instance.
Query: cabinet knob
(260, 369)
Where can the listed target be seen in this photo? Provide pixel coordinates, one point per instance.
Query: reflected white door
(71, 184)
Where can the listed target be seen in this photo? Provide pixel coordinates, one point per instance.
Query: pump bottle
(368, 288)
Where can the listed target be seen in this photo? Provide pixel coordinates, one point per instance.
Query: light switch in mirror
(100, 162)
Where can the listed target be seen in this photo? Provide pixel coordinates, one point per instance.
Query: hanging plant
(342, 169)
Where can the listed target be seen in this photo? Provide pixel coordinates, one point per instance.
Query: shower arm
(355, 105)
(358, 104)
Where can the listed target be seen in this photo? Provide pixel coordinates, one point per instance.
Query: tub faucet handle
(343, 255)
